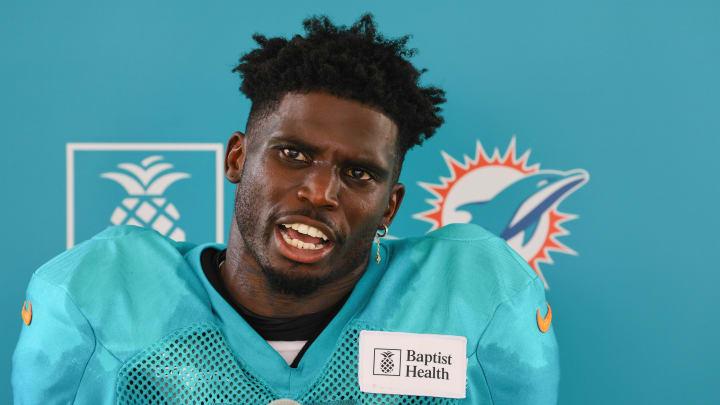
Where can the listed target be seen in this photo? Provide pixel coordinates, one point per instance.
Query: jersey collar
(258, 357)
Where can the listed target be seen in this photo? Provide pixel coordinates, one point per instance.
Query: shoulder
(123, 278)
(471, 254)
(116, 247)
(450, 281)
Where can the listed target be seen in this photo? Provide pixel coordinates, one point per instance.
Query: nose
(321, 187)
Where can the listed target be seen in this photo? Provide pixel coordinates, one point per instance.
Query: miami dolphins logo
(517, 202)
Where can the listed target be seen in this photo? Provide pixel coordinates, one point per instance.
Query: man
(300, 307)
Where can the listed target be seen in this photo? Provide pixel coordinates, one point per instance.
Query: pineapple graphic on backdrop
(387, 364)
(145, 206)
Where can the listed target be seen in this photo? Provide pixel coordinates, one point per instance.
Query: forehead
(326, 120)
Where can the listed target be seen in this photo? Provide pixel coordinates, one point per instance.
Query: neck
(248, 287)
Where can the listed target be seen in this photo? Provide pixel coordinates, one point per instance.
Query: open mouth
(303, 236)
(304, 243)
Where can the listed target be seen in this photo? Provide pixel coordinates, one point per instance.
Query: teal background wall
(627, 90)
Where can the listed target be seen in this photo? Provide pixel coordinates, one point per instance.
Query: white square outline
(399, 361)
(72, 147)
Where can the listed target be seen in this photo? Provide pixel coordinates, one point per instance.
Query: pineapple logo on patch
(387, 362)
(145, 205)
(501, 193)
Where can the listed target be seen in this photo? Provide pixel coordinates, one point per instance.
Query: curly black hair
(356, 63)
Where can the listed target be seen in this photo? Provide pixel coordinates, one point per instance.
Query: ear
(235, 157)
(396, 197)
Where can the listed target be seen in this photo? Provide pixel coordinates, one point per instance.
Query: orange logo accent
(544, 323)
(27, 313)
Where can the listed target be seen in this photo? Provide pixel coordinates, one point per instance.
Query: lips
(301, 239)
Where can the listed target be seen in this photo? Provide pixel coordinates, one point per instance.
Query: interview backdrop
(584, 133)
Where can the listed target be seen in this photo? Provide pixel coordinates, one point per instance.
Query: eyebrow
(380, 172)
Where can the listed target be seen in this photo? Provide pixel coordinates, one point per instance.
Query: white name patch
(412, 364)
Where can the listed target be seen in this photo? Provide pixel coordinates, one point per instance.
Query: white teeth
(300, 244)
(307, 230)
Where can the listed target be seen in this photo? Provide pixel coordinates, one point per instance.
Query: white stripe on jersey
(288, 349)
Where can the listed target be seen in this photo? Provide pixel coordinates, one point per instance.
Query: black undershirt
(304, 327)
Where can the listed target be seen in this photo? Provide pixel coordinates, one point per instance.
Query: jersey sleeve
(53, 350)
(518, 359)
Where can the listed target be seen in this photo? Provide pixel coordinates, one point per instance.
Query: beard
(256, 233)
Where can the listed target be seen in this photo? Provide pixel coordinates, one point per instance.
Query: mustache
(339, 238)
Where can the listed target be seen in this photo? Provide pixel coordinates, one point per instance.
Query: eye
(294, 155)
(358, 174)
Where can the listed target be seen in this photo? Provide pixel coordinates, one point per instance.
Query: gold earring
(379, 236)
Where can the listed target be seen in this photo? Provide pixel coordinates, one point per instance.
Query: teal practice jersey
(129, 317)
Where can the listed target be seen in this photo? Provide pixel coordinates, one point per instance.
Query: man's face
(315, 182)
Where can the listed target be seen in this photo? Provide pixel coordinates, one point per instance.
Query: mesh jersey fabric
(129, 318)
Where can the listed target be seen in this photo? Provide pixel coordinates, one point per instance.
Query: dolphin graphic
(519, 206)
